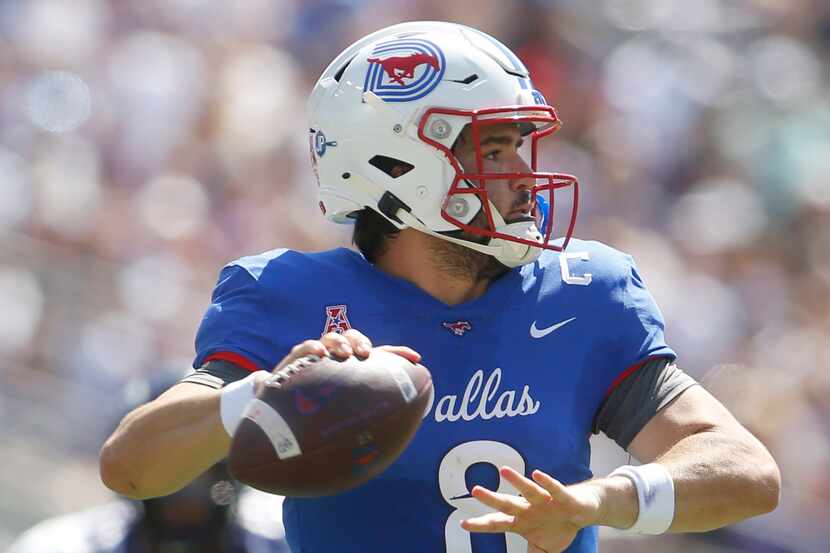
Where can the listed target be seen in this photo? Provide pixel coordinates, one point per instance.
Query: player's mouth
(523, 212)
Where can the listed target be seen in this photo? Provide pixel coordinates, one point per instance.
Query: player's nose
(525, 182)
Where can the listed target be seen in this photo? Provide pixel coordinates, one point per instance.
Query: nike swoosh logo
(541, 333)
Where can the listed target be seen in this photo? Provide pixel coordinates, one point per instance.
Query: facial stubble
(457, 261)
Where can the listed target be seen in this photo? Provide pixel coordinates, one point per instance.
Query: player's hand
(548, 514)
(343, 346)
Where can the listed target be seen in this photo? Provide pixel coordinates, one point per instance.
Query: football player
(426, 137)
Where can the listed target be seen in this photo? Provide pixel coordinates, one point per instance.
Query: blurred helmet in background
(196, 517)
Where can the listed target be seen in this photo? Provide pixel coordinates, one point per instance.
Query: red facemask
(544, 122)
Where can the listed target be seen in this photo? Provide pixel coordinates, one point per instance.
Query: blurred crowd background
(143, 145)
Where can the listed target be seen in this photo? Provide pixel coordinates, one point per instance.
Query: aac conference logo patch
(336, 319)
(403, 70)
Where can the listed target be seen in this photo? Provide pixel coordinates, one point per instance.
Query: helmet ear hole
(393, 167)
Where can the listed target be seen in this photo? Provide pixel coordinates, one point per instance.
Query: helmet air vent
(468, 80)
(342, 70)
(393, 167)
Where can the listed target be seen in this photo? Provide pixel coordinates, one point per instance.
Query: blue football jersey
(519, 374)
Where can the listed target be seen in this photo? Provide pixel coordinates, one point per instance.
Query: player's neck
(421, 260)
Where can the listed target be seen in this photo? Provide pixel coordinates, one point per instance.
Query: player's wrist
(618, 505)
(235, 397)
(653, 496)
(591, 496)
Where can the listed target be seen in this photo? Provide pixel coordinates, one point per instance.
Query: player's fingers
(359, 342)
(403, 351)
(557, 490)
(533, 492)
(259, 379)
(337, 344)
(309, 347)
(491, 523)
(508, 504)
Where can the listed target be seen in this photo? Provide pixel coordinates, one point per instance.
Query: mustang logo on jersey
(336, 319)
(458, 327)
(483, 400)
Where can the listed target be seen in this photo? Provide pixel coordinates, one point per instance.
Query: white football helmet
(403, 94)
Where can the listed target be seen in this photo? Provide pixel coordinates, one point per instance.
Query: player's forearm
(160, 447)
(718, 480)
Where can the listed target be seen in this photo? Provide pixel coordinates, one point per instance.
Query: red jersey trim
(628, 372)
(234, 358)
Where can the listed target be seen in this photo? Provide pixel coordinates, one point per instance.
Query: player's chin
(520, 219)
(468, 236)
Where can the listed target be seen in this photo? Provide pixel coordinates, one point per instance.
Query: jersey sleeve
(638, 398)
(236, 327)
(639, 326)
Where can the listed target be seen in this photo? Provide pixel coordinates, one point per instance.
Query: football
(321, 426)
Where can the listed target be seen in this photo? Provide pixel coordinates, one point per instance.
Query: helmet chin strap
(515, 254)
(509, 253)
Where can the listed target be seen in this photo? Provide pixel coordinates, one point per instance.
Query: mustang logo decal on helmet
(403, 70)
(399, 68)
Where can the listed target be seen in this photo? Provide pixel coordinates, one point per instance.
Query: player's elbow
(762, 478)
(120, 470)
(114, 470)
(769, 485)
